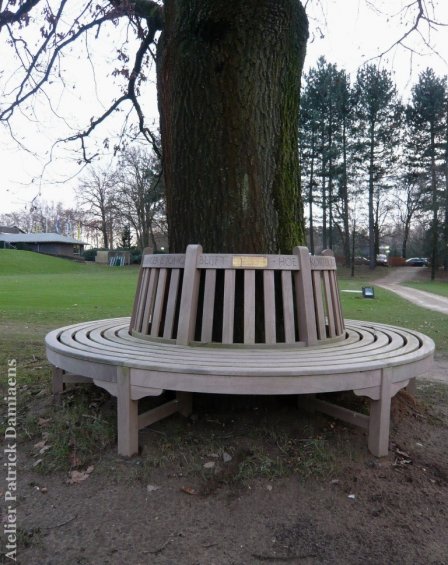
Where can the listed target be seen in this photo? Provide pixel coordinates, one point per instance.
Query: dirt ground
(242, 481)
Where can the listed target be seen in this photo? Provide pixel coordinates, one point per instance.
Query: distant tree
(139, 195)
(426, 121)
(126, 237)
(378, 134)
(408, 204)
(96, 194)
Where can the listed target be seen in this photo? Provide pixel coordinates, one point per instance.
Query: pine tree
(378, 131)
(426, 121)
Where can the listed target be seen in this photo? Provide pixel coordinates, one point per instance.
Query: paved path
(419, 297)
(392, 282)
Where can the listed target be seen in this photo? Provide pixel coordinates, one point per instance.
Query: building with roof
(48, 243)
(10, 229)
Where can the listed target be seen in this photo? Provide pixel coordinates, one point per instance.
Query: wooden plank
(136, 300)
(288, 308)
(171, 304)
(228, 312)
(156, 414)
(336, 303)
(170, 261)
(304, 298)
(149, 301)
(341, 413)
(270, 336)
(248, 261)
(319, 306)
(249, 307)
(158, 304)
(127, 415)
(189, 298)
(208, 306)
(330, 310)
(142, 292)
(325, 262)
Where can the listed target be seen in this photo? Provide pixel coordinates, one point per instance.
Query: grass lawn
(40, 293)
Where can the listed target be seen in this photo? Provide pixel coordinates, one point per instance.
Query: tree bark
(228, 87)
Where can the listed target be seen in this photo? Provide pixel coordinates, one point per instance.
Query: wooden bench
(185, 336)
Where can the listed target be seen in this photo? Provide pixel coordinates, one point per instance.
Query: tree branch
(8, 17)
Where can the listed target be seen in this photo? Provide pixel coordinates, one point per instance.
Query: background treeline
(375, 168)
(121, 207)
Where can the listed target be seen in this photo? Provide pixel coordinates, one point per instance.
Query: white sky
(351, 34)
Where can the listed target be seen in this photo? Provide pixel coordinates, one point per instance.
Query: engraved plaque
(248, 262)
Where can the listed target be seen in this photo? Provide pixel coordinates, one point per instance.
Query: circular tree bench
(239, 324)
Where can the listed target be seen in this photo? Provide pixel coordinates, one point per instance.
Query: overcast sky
(346, 32)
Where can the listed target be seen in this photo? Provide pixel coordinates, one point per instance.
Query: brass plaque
(242, 262)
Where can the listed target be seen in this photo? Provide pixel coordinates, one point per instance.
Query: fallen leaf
(76, 477)
(209, 465)
(43, 422)
(226, 457)
(189, 490)
(40, 444)
(152, 488)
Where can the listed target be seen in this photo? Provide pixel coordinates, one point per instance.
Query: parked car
(381, 260)
(417, 262)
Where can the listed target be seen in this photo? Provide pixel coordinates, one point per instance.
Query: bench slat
(149, 306)
(209, 305)
(304, 297)
(158, 304)
(249, 307)
(318, 297)
(330, 310)
(288, 307)
(171, 304)
(269, 307)
(228, 307)
(141, 300)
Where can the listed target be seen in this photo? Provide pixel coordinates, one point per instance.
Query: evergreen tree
(378, 134)
(426, 142)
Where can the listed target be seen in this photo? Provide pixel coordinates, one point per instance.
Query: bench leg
(185, 400)
(57, 384)
(127, 415)
(412, 386)
(379, 419)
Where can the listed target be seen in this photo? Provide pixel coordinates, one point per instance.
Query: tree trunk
(344, 190)
(435, 208)
(372, 254)
(228, 87)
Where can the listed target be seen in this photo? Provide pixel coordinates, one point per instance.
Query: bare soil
(278, 486)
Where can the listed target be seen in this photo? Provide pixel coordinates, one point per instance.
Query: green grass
(13, 262)
(388, 308)
(37, 289)
(436, 287)
(40, 293)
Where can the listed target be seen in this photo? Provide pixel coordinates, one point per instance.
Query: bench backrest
(210, 298)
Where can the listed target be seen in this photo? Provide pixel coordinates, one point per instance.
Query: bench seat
(373, 360)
